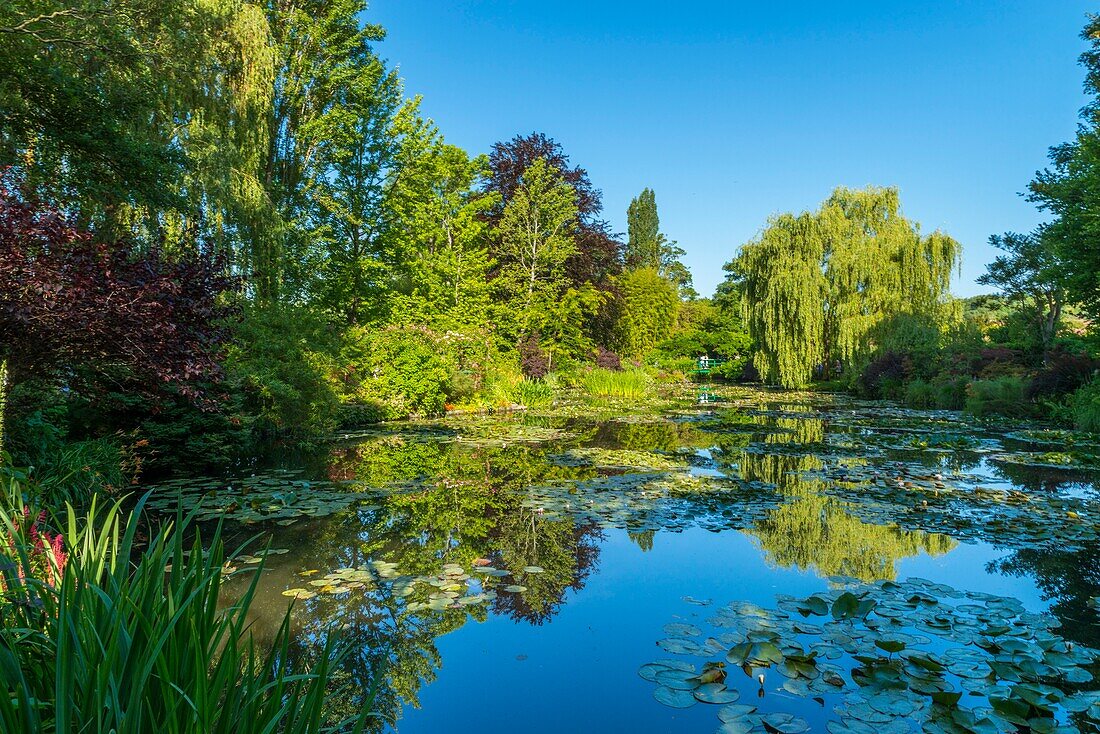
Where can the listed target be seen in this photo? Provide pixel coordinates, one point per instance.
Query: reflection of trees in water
(457, 504)
(1043, 479)
(1067, 579)
(643, 539)
(812, 530)
(650, 436)
(804, 431)
(566, 552)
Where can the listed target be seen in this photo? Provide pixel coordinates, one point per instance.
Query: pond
(733, 560)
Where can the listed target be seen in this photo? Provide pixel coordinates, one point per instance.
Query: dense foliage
(822, 291)
(91, 642)
(285, 233)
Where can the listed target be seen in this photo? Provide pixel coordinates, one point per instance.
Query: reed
(98, 635)
(625, 384)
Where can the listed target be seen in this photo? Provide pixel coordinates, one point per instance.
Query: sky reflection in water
(623, 518)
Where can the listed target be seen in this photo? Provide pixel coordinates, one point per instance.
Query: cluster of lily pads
(1055, 437)
(1081, 460)
(624, 459)
(667, 501)
(960, 505)
(470, 431)
(887, 656)
(281, 496)
(452, 588)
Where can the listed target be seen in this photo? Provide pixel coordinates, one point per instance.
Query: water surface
(629, 518)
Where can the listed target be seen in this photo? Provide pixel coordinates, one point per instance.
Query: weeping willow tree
(828, 287)
(784, 298)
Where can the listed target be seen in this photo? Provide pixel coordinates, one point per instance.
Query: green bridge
(704, 364)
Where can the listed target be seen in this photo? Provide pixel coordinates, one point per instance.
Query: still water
(517, 572)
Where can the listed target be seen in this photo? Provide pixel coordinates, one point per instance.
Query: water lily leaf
(649, 671)
(716, 693)
(890, 646)
(1015, 711)
(850, 606)
(814, 605)
(785, 724)
(678, 679)
(947, 698)
(679, 629)
(734, 711)
(675, 698)
(680, 646)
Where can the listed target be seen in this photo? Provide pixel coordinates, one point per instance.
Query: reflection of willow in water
(811, 530)
(802, 431)
(455, 504)
(566, 553)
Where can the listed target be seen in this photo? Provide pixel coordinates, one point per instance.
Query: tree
(1070, 189)
(1032, 276)
(445, 269)
(67, 301)
(598, 255)
(561, 324)
(672, 269)
(643, 247)
(331, 135)
(647, 313)
(79, 100)
(361, 243)
(535, 234)
(830, 286)
(647, 247)
(783, 289)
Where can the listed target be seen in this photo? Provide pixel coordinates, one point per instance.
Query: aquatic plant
(1084, 407)
(889, 654)
(279, 496)
(104, 643)
(532, 393)
(625, 384)
(1000, 396)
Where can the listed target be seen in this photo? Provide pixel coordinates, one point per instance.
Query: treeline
(854, 296)
(303, 249)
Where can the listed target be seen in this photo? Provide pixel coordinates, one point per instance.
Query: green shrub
(682, 365)
(951, 392)
(1084, 407)
(92, 642)
(360, 415)
(884, 376)
(648, 304)
(281, 359)
(632, 384)
(1000, 396)
(920, 394)
(533, 393)
(405, 370)
(78, 471)
(507, 386)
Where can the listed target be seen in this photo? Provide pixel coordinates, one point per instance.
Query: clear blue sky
(734, 110)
